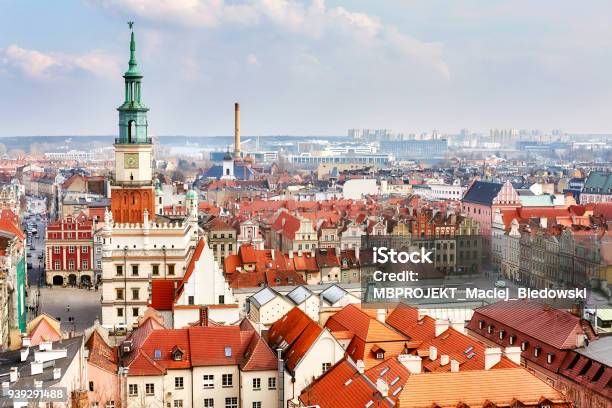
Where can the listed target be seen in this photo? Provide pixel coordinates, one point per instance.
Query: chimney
(26, 342)
(45, 346)
(492, 357)
(459, 326)
(411, 362)
(433, 353)
(38, 384)
(513, 354)
(441, 326)
(380, 315)
(454, 366)
(360, 366)
(36, 367)
(24, 353)
(57, 373)
(382, 387)
(14, 374)
(236, 130)
(444, 359)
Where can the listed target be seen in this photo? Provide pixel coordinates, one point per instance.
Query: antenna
(130, 24)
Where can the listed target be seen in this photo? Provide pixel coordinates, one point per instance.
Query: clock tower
(132, 187)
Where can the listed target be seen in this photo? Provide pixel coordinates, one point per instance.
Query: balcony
(148, 140)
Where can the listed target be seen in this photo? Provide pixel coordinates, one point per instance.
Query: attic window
(536, 351)
(228, 351)
(550, 357)
(481, 324)
(157, 354)
(511, 339)
(177, 354)
(380, 355)
(502, 333)
(490, 329)
(524, 345)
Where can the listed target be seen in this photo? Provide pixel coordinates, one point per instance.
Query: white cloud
(308, 18)
(252, 60)
(40, 65)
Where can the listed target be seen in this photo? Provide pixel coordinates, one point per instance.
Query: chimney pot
(492, 357)
(360, 366)
(454, 366)
(433, 353)
(444, 359)
(382, 387)
(441, 326)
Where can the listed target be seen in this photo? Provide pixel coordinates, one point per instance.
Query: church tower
(132, 189)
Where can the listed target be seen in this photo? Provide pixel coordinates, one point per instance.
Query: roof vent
(14, 374)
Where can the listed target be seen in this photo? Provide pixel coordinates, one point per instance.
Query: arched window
(131, 130)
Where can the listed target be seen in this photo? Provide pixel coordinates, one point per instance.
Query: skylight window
(397, 391)
(228, 351)
(384, 371)
(395, 380)
(157, 354)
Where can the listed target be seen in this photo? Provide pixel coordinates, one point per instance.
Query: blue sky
(310, 67)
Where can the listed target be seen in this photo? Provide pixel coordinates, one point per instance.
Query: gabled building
(308, 351)
(597, 188)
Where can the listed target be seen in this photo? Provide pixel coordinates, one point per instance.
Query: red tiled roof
(297, 330)
(101, 354)
(43, 331)
(162, 293)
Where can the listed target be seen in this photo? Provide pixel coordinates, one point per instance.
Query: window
(119, 294)
(119, 269)
(84, 249)
(71, 249)
(110, 404)
(56, 250)
(135, 312)
(134, 270)
(271, 383)
(149, 389)
(85, 264)
(209, 402)
(231, 402)
(56, 265)
(221, 299)
(227, 380)
(178, 383)
(208, 381)
(91, 386)
(119, 312)
(71, 265)
(94, 404)
(178, 403)
(155, 269)
(133, 390)
(256, 404)
(170, 269)
(98, 264)
(325, 367)
(256, 384)
(98, 251)
(191, 300)
(135, 293)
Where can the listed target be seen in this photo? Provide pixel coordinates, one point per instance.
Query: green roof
(598, 182)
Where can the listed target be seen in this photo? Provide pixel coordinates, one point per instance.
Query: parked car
(500, 283)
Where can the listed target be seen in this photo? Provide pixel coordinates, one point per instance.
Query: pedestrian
(68, 308)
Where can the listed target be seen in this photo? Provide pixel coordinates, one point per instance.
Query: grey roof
(11, 359)
(263, 296)
(599, 350)
(333, 294)
(482, 192)
(299, 294)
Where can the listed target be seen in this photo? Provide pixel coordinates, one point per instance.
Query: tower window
(131, 130)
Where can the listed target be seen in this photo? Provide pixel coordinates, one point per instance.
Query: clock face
(131, 160)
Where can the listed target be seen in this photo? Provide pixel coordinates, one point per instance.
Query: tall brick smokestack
(236, 130)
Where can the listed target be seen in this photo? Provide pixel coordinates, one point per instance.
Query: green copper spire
(133, 112)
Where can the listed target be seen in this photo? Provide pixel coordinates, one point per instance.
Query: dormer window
(524, 345)
(490, 329)
(380, 356)
(502, 333)
(550, 357)
(177, 353)
(481, 324)
(512, 339)
(536, 351)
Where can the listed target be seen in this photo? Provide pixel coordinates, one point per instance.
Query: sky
(311, 67)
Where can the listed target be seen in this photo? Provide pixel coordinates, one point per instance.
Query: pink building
(103, 382)
(480, 201)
